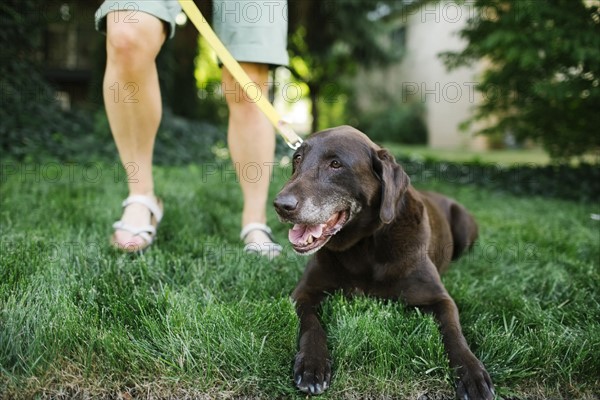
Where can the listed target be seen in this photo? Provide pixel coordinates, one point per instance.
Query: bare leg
(251, 140)
(133, 105)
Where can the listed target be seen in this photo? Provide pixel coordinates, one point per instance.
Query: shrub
(570, 182)
(398, 124)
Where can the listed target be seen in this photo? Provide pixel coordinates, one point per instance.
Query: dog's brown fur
(394, 245)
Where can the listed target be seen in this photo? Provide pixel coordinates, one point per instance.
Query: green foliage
(83, 136)
(543, 82)
(182, 141)
(580, 182)
(31, 119)
(400, 123)
(22, 22)
(212, 106)
(29, 114)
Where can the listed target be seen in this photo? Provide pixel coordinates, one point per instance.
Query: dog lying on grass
(370, 231)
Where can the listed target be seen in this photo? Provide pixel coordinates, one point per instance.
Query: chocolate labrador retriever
(373, 233)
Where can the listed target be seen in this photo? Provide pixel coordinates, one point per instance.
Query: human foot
(137, 228)
(258, 239)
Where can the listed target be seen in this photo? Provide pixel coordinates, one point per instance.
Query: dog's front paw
(312, 373)
(474, 383)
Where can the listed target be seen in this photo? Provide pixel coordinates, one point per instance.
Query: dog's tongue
(300, 234)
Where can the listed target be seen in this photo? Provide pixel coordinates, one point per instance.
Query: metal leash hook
(285, 130)
(291, 138)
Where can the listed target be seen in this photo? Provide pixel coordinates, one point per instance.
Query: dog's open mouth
(307, 239)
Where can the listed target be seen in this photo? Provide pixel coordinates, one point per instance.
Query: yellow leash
(194, 14)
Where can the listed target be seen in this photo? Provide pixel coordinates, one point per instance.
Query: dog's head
(342, 184)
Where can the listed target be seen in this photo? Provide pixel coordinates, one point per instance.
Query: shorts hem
(253, 55)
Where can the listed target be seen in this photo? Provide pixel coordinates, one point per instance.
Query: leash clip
(295, 145)
(291, 138)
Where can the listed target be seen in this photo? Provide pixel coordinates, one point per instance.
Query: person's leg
(251, 139)
(133, 105)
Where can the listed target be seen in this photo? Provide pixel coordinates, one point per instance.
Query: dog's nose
(285, 203)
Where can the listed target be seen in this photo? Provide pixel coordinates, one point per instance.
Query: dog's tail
(464, 230)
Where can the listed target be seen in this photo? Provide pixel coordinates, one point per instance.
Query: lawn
(195, 317)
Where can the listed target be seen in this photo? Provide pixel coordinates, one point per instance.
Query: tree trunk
(314, 99)
(184, 93)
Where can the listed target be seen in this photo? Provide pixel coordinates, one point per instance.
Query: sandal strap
(269, 249)
(147, 232)
(255, 226)
(146, 201)
(134, 230)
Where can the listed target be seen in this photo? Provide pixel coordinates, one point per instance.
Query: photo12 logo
(250, 12)
(71, 172)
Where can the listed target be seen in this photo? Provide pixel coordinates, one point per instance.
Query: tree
(543, 82)
(329, 39)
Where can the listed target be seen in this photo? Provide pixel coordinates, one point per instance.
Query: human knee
(130, 46)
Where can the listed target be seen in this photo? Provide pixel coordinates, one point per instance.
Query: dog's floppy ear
(394, 182)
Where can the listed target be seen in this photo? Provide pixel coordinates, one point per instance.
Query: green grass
(194, 317)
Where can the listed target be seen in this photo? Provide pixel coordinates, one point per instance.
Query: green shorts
(252, 30)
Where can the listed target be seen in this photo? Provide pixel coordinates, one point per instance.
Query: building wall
(449, 96)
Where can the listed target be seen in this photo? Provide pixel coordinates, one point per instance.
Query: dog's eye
(335, 164)
(297, 158)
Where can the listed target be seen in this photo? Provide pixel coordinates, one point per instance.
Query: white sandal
(268, 249)
(147, 232)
